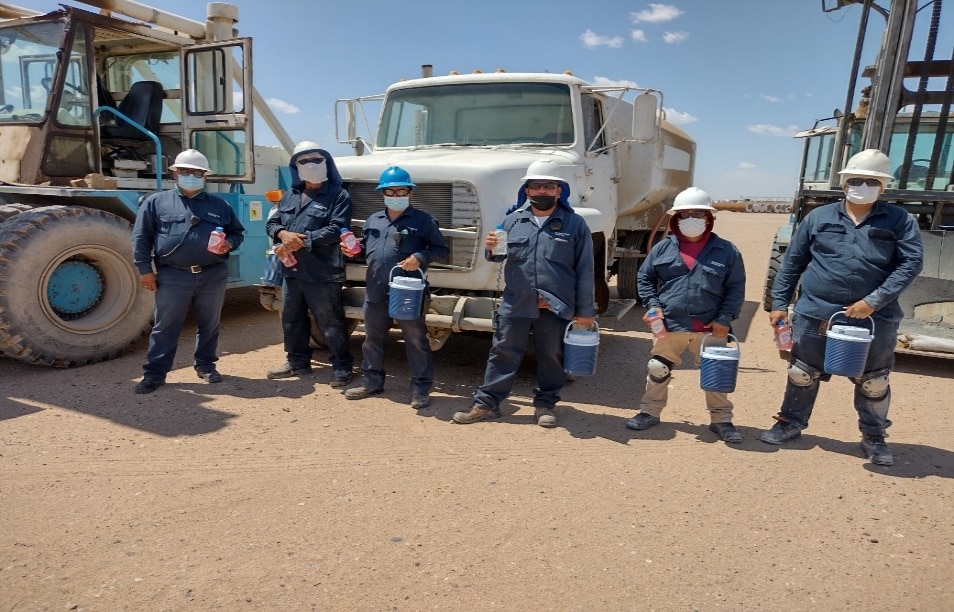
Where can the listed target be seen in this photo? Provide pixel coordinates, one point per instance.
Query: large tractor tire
(774, 265)
(9, 210)
(69, 294)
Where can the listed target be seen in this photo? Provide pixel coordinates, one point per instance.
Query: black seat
(143, 104)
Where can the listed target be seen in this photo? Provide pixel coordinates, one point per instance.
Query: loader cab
(126, 100)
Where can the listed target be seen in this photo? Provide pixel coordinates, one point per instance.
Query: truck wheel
(9, 210)
(774, 265)
(70, 294)
(318, 339)
(628, 266)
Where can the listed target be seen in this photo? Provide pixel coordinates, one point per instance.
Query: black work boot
(876, 450)
(780, 433)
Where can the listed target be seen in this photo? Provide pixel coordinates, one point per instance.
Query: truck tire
(628, 266)
(9, 210)
(318, 339)
(69, 294)
(774, 265)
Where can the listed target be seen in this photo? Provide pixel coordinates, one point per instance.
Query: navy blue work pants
(420, 360)
(511, 339)
(177, 291)
(326, 304)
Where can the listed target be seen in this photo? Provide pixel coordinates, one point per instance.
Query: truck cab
(467, 139)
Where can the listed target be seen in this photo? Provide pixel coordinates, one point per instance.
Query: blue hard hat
(394, 176)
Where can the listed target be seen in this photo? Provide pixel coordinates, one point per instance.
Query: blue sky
(740, 76)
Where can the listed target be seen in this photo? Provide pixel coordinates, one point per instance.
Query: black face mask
(543, 202)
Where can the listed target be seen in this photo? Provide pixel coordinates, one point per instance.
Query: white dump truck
(468, 139)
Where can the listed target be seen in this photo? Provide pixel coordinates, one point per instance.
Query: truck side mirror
(351, 127)
(645, 118)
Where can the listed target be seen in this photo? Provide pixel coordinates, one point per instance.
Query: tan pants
(671, 347)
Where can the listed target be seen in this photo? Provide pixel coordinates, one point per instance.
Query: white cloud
(607, 82)
(657, 13)
(638, 36)
(591, 39)
(769, 98)
(281, 106)
(746, 166)
(675, 37)
(678, 118)
(765, 129)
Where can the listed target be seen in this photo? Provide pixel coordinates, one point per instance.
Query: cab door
(217, 107)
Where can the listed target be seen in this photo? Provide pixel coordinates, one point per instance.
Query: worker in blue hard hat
(405, 237)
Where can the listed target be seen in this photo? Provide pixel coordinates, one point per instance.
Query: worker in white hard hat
(549, 275)
(695, 280)
(308, 225)
(855, 256)
(171, 249)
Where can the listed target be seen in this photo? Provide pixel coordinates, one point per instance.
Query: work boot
(477, 413)
(544, 417)
(209, 376)
(148, 384)
(419, 401)
(876, 450)
(341, 378)
(643, 420)
(726, 432)
(361, 392)
(780, 433)
(288, 371)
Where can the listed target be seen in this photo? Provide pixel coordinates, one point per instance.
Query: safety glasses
(858, 182)
(544, 186)
(396, 192)
(695, 214)
(309, 160)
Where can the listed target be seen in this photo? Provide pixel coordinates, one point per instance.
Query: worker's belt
(193, 269)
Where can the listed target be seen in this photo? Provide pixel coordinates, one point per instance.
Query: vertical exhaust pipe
(427, 70)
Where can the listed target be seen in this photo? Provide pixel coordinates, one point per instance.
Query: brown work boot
(544, 417)
(477, 413)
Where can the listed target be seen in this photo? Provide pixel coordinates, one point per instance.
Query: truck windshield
(474, 114)
(28, 61)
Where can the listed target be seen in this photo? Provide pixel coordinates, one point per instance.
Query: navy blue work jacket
(554, 261)
(320, 214)
(839, 263)
(387, 242)
(713, 290)
(172, 229)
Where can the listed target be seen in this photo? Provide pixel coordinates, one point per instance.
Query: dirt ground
(282, 495)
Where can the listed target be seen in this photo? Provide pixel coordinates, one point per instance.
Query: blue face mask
(397, 203)
(188, 182)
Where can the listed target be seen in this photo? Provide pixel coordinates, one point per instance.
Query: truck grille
(454, 205)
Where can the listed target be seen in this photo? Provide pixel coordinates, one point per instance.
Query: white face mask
(862, 194)
(313, 173)
(397, 203)
(692, 227)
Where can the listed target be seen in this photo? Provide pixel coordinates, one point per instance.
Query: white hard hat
(692, 198)
(870, 162)
(544, 170)
(190, 158)
(305, 145)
